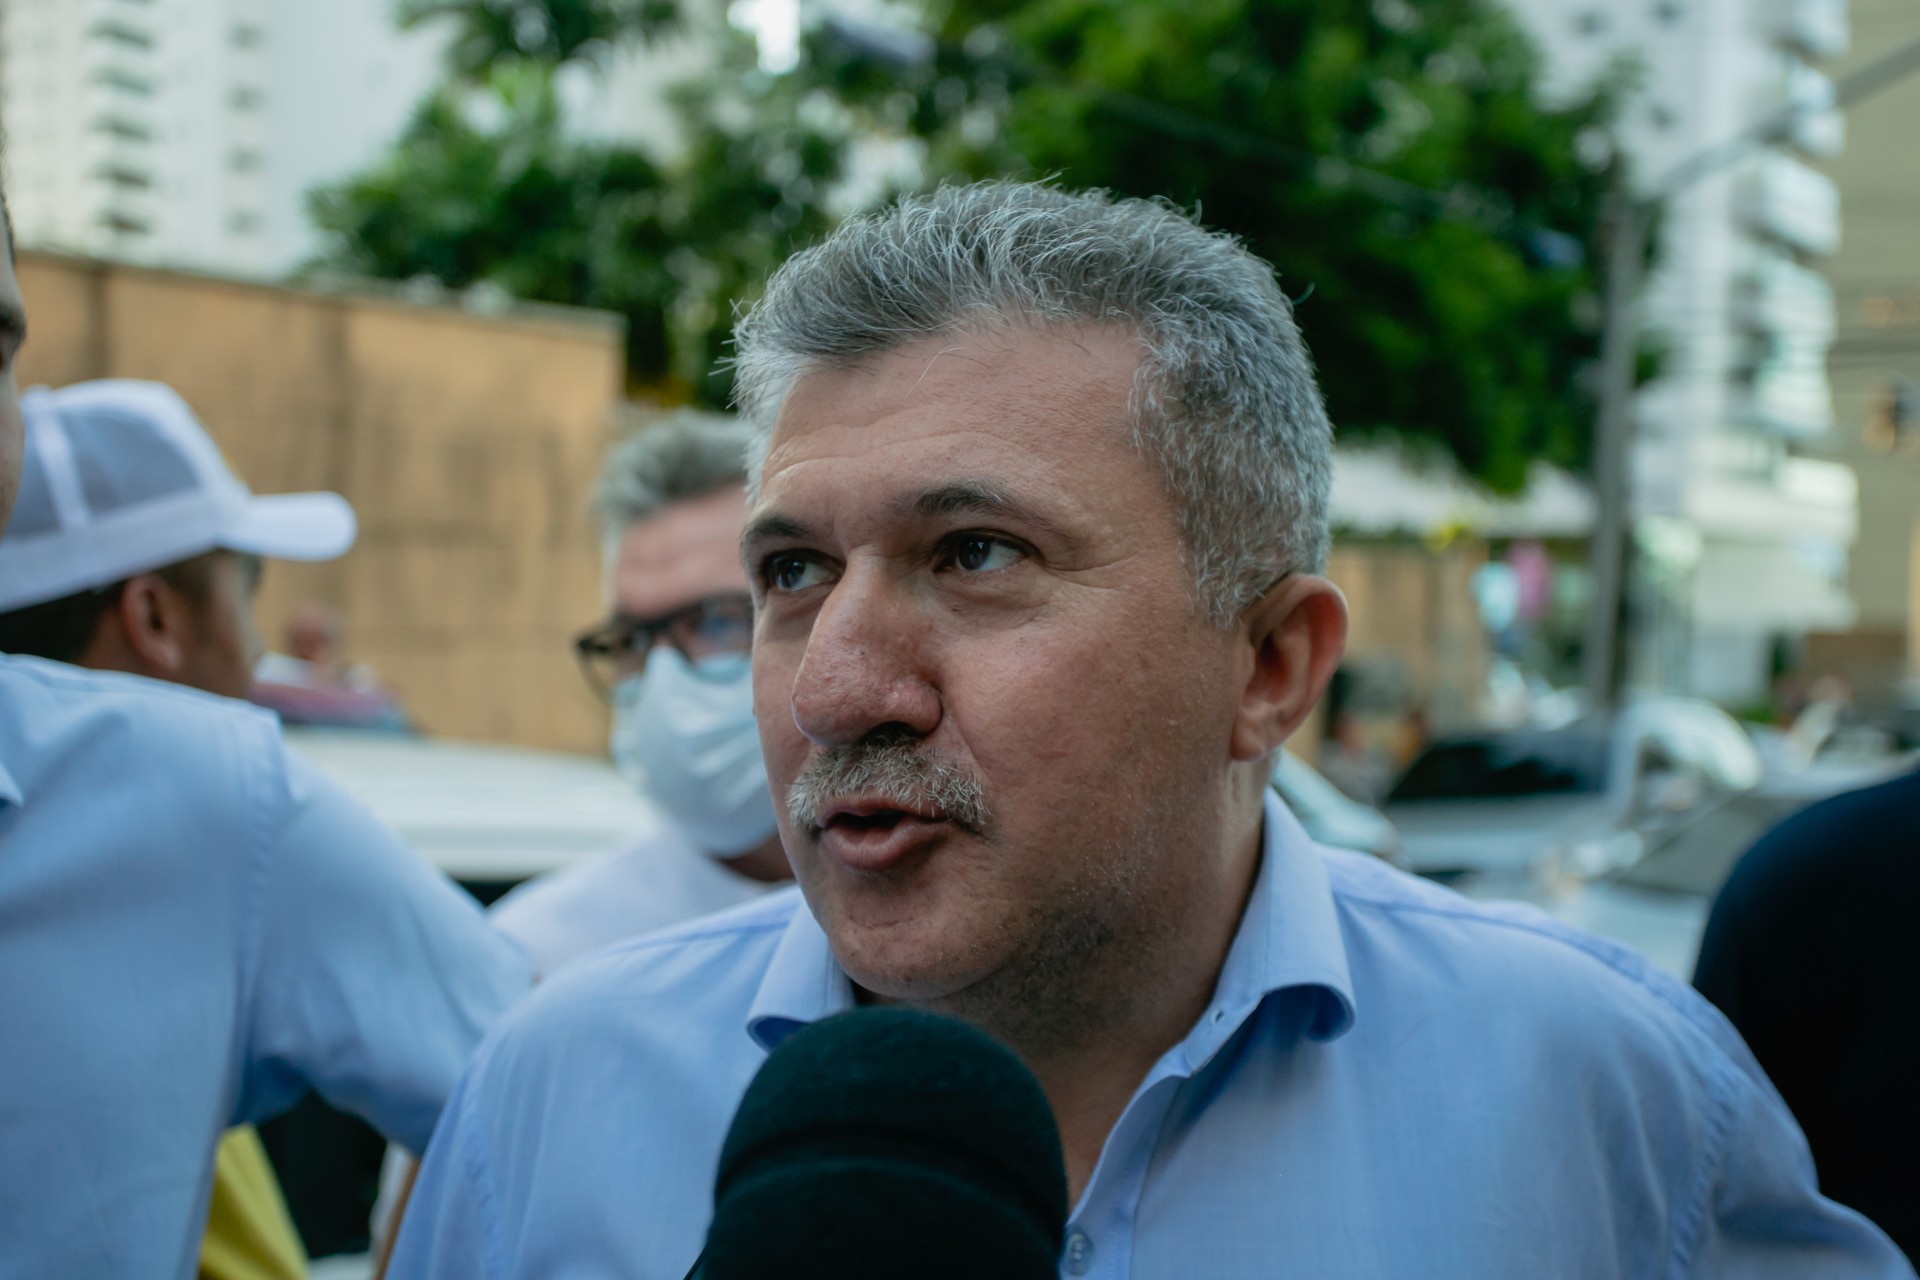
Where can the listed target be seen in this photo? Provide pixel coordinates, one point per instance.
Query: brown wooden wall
(1414, 607)
(467, 444)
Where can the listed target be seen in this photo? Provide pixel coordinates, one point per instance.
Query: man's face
(957, 548)
(679, 556)
(13, 331)
(220, 643)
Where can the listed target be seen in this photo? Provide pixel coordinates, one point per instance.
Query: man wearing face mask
(672, 660)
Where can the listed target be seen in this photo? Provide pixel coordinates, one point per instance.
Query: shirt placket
(1099, 1243)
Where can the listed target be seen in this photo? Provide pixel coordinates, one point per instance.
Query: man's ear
(1297, 631)
(155, 625)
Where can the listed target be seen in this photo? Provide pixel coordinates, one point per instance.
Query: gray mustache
(892, 768)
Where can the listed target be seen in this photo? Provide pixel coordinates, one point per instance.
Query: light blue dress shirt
(1391, 1083)
(194, 929)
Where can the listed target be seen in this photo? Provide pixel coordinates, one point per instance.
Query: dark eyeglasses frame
(636, 638)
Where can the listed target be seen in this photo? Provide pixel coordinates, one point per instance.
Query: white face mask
(687, 740)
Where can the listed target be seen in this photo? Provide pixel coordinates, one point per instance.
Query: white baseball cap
(120, 478)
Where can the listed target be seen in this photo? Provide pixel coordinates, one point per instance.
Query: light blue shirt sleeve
(451, 1223)
(374, 976)
(1765, 1218)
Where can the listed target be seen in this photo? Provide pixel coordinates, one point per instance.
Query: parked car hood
(482, 813)
(1497, 836)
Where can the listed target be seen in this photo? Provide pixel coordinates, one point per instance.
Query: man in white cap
(195, 927)
(136, 550)
(133, 547)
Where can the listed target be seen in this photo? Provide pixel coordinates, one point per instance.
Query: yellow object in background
(250, 1235)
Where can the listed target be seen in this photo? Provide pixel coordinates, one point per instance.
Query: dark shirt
(1813, 952)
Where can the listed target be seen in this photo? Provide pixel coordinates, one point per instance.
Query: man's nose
(863, 665)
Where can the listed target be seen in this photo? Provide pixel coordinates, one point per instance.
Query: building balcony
(1819, 130)
(1788, 394)
(1820, 29)
(1790, 202)
(121, 74)
(1778, 297)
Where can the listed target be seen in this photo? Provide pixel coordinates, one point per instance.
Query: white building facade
(137, 129)
(1743, 540)
(186, 133)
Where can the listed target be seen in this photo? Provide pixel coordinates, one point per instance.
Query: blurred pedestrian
(1351, 763)
(1036, 538)
(313, 684)
(198, 928)
(1410, 737)
(672, 659)
(1813, 952)
(312, 658)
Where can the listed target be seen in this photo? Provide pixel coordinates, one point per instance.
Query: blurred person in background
(1813, 952)
(313, 684)
(1351, 763)
(313, 657)
(195, 927)
(134, 549)
(672, 657)
(1410, 737)
(1036, 548)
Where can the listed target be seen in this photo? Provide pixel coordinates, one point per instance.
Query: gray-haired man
(1040, 508)
(672, 658)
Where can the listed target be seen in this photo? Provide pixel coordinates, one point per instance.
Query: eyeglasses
(715, 627)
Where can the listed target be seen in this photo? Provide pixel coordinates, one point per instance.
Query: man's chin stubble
(1045, 995)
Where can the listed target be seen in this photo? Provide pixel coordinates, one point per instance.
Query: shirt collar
(803, 982)
(1288, 940)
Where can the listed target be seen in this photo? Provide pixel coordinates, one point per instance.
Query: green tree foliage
(490, 33)
(754, 185)
(1390, 157)
(487, 186)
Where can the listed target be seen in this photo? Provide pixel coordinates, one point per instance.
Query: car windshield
(1507, 765)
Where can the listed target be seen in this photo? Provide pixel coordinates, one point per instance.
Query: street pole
(1629, 222)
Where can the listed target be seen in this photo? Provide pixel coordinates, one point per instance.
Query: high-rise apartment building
(1744, 537)
(138, 128)
(1876, 358)
(186, 133)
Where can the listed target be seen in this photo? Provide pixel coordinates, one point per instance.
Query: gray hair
(676, 458)
(1224, 400)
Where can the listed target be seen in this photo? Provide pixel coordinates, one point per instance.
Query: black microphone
(886, 1144)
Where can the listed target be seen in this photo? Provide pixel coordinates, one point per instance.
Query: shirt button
(1079, 1253)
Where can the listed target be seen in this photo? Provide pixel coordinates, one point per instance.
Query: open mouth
(874, 835)
(873, 820)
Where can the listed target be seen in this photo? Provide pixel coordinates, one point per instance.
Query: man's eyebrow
(973, 497)
(774, 527)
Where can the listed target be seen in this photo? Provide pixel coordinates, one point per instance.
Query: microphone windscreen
(887, 1143)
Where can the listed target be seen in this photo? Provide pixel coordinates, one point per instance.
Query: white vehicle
(489, 816)
(1659, 905)
(1583, 798)
(1328, 814)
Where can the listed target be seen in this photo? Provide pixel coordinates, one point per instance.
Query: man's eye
(794, 573)
(978, 553)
